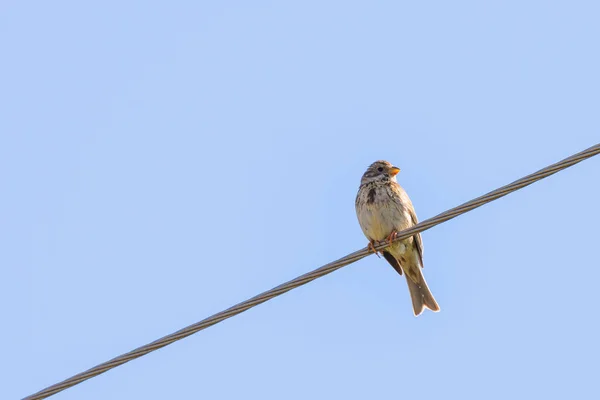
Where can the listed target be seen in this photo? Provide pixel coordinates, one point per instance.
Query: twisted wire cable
(310, 276)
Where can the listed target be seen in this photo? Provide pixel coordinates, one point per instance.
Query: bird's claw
(393, 235)
(371, 247)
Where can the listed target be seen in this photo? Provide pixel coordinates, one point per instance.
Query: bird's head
(380, 171)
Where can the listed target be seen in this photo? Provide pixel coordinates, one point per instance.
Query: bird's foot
(371, 247)
(393, 235)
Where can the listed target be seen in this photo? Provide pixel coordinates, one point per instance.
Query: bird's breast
(379, 214)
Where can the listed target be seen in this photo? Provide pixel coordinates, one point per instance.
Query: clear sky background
(161, 161)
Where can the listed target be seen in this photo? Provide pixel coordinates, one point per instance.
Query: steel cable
(310, 276)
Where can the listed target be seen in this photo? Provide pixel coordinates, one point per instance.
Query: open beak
(394, 171)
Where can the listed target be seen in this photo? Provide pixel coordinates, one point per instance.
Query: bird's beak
(394, 171)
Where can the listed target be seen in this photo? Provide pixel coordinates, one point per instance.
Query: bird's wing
(405, 205)
(417, 238)
(393, 262)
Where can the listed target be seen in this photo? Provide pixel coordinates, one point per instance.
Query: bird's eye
(380, 169)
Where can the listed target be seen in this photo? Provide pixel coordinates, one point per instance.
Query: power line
(317, 273)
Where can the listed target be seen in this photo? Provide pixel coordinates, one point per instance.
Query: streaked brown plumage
(383, 208)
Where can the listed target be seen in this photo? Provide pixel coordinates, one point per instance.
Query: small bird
(383, 209)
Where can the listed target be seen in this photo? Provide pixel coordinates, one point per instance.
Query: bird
(383, 209)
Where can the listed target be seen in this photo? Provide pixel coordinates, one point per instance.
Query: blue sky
(161, 161)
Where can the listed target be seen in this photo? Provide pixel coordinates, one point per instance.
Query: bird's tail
(420, 294)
